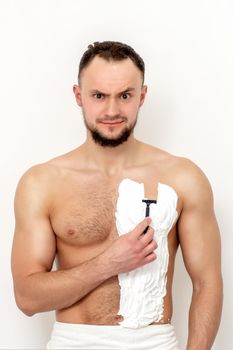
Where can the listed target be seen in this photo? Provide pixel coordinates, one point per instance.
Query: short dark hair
(111, 50)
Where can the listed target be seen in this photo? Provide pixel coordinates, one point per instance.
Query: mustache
(112, 119)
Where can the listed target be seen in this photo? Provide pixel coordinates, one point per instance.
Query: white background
(187, 47)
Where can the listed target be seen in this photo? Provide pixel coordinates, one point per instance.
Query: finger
(141, 227)
(150, 257)
(146, 229)
(150, 248)
(147, 238)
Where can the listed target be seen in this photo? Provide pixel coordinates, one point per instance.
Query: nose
(112, 108)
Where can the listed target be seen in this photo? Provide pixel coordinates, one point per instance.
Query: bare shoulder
(44, 174)
(38, 185)
(180, 165)
(38, 175)
(33, 190)
(191, 182)
(186, 177)
(189, 175)
(187, 170)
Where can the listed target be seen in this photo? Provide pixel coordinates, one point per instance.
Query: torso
(83, 220)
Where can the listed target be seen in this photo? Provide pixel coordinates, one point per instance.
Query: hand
(132, 250)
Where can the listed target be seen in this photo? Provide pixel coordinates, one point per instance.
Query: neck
(111, 161)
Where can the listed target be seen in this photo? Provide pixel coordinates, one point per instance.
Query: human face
(110, 95)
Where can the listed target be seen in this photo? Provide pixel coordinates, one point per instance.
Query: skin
(65, 208)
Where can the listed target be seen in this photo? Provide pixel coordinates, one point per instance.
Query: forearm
(45, 291)
(204, 315)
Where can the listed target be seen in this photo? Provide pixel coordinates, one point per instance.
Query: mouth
(112, 122)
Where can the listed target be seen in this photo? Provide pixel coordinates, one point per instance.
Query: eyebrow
(96, 91)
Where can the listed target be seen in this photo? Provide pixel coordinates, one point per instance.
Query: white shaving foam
(142, 290)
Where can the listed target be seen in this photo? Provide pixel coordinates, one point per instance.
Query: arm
(36, 287)
(200, 244)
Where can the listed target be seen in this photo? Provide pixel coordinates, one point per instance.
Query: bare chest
(83, 213)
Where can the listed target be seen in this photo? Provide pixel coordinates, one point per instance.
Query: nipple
(71, 232)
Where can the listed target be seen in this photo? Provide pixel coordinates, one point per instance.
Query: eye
(125, 96)
(98, 96)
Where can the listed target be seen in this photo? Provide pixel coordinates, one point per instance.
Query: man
(113, 212)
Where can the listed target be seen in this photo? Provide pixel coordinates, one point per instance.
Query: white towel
(92, 337)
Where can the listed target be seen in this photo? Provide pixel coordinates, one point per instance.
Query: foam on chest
(143, 289)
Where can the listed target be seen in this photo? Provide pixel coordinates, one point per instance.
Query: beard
(105, 141)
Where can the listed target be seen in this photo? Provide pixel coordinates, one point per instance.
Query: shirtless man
(113, 285)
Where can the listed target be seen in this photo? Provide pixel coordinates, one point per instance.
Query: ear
(143, 94)
(77, 94)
